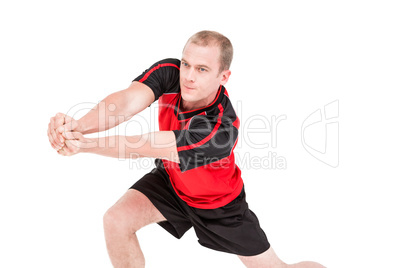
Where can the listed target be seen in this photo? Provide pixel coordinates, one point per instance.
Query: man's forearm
(161, 144)
(116, 108)
(109, 113)
(115, 146)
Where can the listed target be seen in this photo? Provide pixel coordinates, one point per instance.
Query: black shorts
(233, 228)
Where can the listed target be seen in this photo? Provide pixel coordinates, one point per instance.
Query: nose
(190, 75)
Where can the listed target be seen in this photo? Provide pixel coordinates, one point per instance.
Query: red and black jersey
(207, 176)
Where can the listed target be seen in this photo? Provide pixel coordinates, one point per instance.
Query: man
(196, 182)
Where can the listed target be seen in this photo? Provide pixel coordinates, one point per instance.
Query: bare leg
(121, 222)
(269, 259)
(306, 264)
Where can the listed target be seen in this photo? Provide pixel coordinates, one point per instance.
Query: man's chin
(187, 97)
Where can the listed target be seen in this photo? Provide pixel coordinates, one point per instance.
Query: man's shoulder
(169, 62)
(162, 77)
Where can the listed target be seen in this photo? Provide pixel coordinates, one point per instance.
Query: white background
(291, 58)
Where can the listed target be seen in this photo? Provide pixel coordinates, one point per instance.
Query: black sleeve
(205, 141)
(162, 77)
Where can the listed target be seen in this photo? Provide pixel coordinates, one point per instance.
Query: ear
(225, 76)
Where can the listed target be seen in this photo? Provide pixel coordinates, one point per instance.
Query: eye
(203, 70)
(185, 64)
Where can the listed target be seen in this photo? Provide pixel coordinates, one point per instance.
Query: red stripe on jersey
(156, 68)
(207, 138)
(234, 145)
(236, 123)
(226, 93)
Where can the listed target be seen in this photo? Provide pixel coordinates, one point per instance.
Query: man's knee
(132, 212)
(117, 219)
(267, 259)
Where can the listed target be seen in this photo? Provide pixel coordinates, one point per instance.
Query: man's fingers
(59, 121)
(68, 135)
(75, 140)
(53, 138)
(71, 144)
(70, 123)
(67, 127)
(68, 119)
(72, 147)
(71, 135)
(63, 151)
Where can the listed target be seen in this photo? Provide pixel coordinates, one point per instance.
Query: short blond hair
(205, 38)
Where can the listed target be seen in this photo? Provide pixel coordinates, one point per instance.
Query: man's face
(199, 75)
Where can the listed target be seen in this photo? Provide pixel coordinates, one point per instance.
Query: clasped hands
(65, 137)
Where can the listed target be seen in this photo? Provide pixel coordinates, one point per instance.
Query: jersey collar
(188, 114)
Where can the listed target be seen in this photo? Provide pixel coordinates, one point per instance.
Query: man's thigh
(157, 188)
(134, 210)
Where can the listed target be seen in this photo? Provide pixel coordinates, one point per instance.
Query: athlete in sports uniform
(196, 182)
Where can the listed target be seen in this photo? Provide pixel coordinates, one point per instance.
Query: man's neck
(189, 106)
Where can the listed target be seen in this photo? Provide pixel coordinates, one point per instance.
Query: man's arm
(160, 144)
(116, 108)
(113, 110)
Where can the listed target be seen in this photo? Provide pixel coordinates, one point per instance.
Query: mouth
(188, 88)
